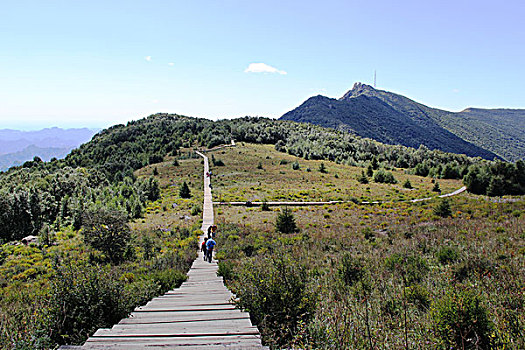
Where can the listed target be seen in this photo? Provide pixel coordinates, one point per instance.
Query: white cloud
(262, 68)
(171, 64)
(148, 58)
(455, 91)
(155, 101)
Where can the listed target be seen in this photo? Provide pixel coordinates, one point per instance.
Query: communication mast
(374, 79)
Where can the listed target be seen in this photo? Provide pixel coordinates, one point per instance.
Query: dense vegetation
(122, 149)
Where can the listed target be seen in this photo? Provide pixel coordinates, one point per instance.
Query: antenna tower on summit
(374, 79)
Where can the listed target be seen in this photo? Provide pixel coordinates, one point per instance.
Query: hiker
(213, 231)
(209, 248)
(209, 231)
(203, 248)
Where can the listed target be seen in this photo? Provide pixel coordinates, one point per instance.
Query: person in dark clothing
(210, 244)
(209, 231)
(203, 248)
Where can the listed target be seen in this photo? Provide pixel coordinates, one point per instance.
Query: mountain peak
(357, 90)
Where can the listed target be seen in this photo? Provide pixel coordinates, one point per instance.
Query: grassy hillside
(389, 275)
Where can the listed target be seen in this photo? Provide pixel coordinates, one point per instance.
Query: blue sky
(98, 63)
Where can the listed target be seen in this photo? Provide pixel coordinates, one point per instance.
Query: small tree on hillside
(436, 187)
(184, 191)
(322, 168)
(362, 179)
(407, 184)
(285, 222)
(443, 209)
(375, 163)
(107, 231)
(370, 171)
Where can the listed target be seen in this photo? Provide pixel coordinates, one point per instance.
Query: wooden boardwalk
(198, 315)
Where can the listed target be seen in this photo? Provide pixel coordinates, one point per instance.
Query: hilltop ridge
(396, 119)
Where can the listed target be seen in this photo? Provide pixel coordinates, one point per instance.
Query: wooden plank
(181, 308)
(210, 342)
(183, 317)
(183, 329)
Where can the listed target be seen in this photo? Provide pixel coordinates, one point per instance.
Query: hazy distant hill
(385, 117)
(17, 146)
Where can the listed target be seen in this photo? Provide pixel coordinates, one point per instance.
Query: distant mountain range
(395, 119)
(17, 146)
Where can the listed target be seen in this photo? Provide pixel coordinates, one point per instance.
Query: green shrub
(407, 184)
(351, 270)
(275, 292)
(382, 176)
(83, 299)
(461, 321)
(296, 166)
(265, 206)
(226, 270)
(322, 168)
(363, 179)
(196, 210)
(368, 234)
(370, 171)
(168, 279)
(411, 268)
(472, 266)
(418, 295)
(447, 255)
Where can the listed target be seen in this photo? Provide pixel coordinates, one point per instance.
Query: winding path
(198, 315)
(248, 203)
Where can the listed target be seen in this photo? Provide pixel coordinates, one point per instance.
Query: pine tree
(285, 222)
(369, 171)
(375, 163)
(362, 179)
(184, 191)
(443, 209)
